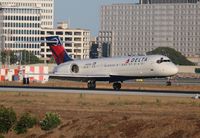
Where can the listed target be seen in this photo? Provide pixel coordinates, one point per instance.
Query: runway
(100, 91)
(162, 81)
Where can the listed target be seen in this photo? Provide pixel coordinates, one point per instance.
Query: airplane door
(151, 68)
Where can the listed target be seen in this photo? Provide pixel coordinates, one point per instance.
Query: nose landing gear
(117, 86)
(169, 82)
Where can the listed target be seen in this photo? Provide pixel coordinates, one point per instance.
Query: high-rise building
(75, 41)
(20, 29)
(93, 48)
(21, 22)
(132, 29)
(46, 6)
(166, 1)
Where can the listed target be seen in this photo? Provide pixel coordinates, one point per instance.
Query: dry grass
(90, 115)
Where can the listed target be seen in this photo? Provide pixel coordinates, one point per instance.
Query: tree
(52, 60)
(175, 56)
(29, 58)
(5, 58)
(23, 57)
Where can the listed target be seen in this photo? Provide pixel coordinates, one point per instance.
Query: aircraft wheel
(168, 83)
(91, 84)
(117, 86)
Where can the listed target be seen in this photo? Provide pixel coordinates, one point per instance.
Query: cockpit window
(161, 60)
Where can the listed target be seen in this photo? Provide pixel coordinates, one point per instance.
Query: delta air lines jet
(115, 70)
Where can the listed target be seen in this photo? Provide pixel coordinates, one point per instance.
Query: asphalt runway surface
(162, 81)
(179, 81)
(99, 91)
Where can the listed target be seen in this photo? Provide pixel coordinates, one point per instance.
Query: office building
(166, 1)
(93, 48)
(20, 29)
(134, 29)
(76, 41)
(46, 6)
(21, 23)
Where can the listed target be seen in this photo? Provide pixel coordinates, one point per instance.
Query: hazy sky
(82, 13)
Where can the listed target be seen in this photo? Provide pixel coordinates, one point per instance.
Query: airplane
(114, 69)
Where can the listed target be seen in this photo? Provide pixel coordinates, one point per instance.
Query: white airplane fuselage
(130, 67)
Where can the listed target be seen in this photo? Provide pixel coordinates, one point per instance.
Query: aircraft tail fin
(58, 51)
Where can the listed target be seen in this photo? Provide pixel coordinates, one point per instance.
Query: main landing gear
(168, 83)
(117, 86)
(91, 85)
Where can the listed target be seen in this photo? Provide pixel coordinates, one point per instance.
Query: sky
(82, 13)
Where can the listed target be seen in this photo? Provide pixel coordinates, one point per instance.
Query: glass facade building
(134, 29)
